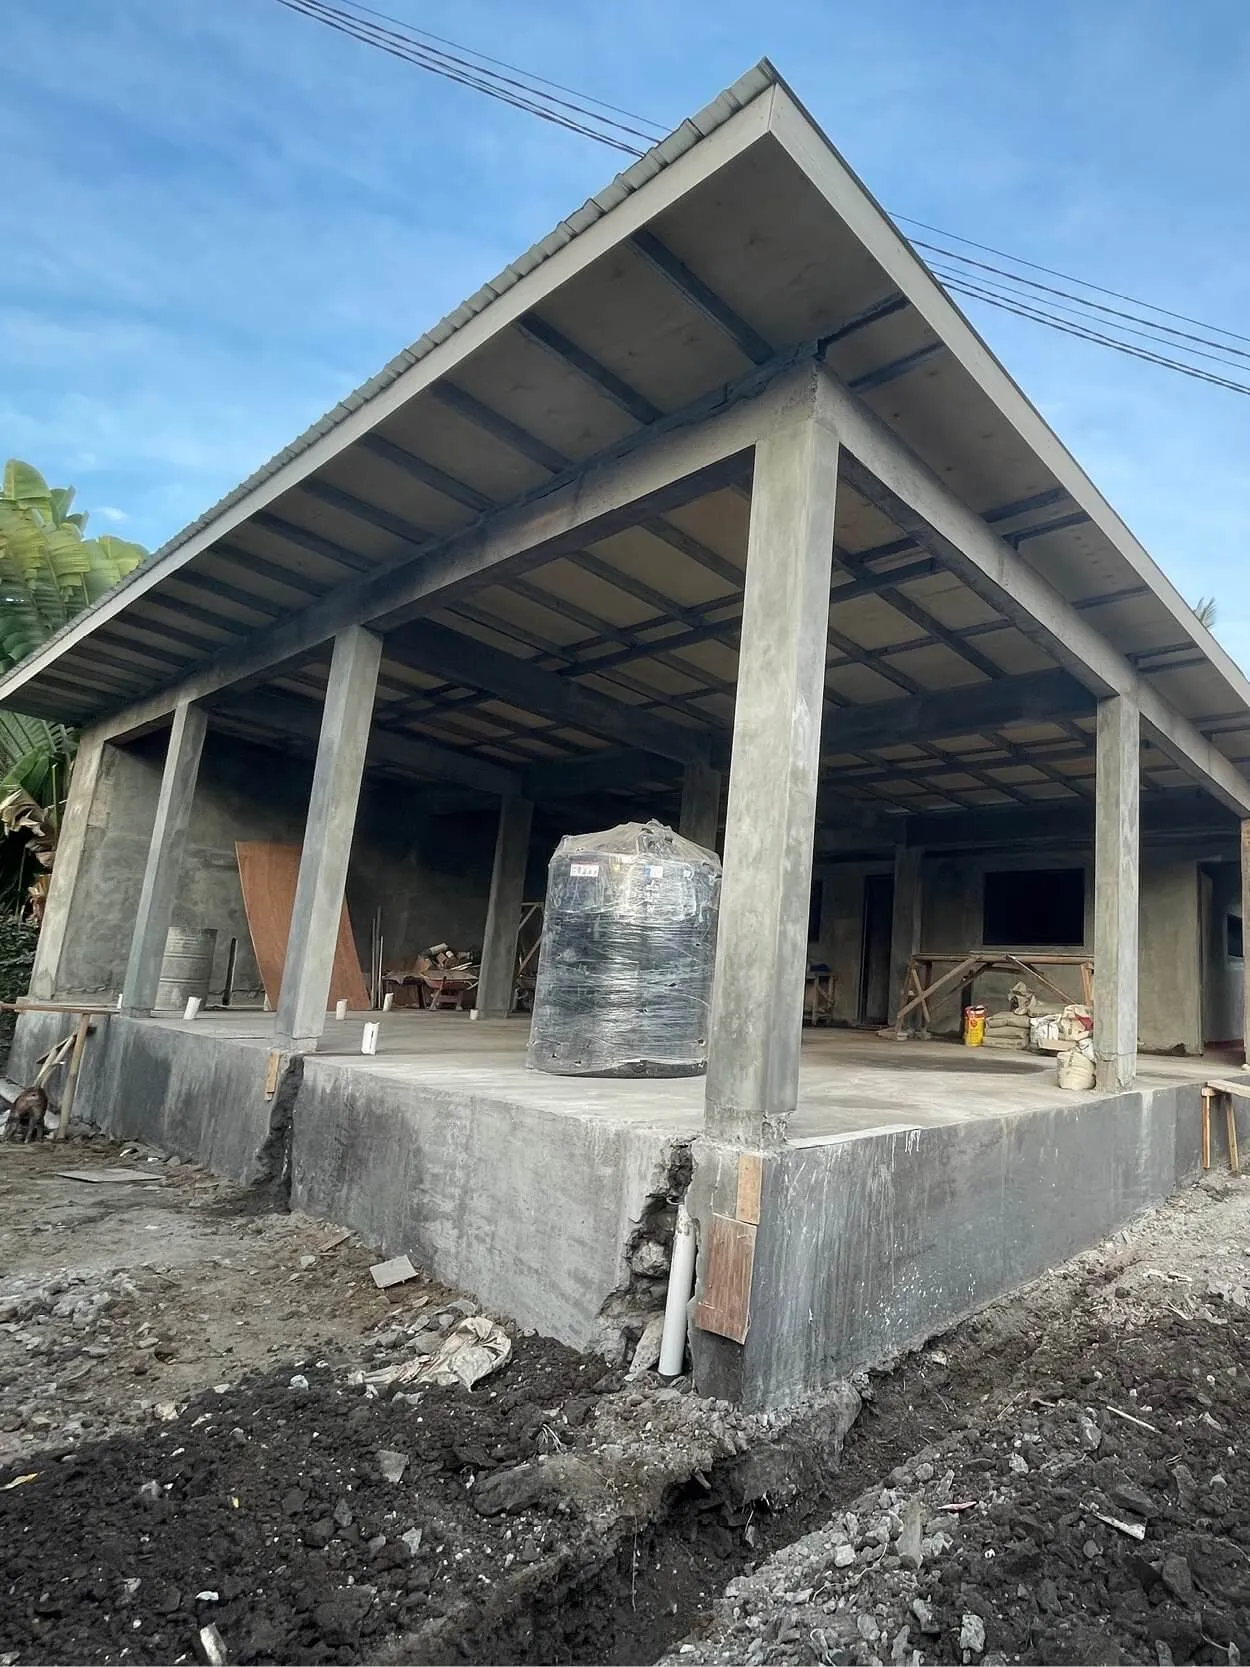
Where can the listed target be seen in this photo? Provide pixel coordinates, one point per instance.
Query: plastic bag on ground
(470, 1352)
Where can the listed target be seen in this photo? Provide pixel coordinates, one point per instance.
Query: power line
(1068, 278)
(1087, 320)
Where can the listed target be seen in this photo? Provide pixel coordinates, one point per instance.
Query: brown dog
(26, 1115)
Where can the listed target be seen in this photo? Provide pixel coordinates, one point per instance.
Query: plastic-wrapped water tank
(625, 971)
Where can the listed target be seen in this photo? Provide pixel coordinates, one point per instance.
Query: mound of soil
(266, 1511)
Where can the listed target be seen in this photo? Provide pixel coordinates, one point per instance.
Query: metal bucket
(187, 966)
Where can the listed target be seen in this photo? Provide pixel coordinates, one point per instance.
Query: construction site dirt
(200, 1455)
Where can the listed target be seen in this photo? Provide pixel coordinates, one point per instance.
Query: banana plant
(49, 569)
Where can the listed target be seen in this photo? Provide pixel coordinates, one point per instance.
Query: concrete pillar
(700, 805)
(345, 723)
(1116, 863)
(164, 861)
(904, 925)
(1245, 939)
(71, 843)
(503, 912)
(761, 951)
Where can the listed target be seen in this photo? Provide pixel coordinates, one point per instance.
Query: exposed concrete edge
(868, 1246)
(535, 1211)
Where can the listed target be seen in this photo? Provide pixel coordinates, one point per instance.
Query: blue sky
(224, 216)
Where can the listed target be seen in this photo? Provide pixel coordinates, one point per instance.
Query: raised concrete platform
(920, 1180)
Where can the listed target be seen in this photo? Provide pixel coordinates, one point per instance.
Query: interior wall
(1169, 976)
(841, 930)
(429, 875)
(110, 874)
(1223, 976)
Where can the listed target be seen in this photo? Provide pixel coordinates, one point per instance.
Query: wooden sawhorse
(1232, 1092)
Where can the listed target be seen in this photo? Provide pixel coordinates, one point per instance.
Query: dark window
(1034, 906)
(815, 910)
(1236, 943)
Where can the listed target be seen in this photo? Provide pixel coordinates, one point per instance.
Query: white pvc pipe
(680, 1285)
(192, 1009)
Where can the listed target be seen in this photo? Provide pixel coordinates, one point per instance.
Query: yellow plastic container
(974, 1027)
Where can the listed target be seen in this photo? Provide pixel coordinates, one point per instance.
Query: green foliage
(49, 569)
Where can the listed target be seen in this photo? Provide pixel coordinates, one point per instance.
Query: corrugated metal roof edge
(744, 90)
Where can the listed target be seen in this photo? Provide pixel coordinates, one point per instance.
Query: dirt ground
(188, 1440)
(1064, 1479)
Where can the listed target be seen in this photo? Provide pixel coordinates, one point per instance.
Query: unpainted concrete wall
(1224, 976)
(531, 1211)
(871, 1244)
(429, 875)
(842, 926)
(1169, 978)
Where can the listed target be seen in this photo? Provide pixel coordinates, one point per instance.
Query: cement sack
(1076, 1067)
(1014, 1041)
(1008, 1021)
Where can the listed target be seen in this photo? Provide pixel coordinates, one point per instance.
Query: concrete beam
(283, 715)
(1166, 814)
(463, 660)
(882, 469)
(164, 861)
(700, 805)
(936, 714)
(71, 843)
(1117, 845)
(753, 1065)
(503, 912)
(328, 835)
(678, 458)
(610, 767)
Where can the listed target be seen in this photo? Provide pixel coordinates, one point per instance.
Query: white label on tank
(583, 870)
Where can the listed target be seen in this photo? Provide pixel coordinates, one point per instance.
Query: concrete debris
(1134, 1530)
(1088, 1431)
(395, 1272)
(212, 1647)
(299, 1381)
(307, 1261)
(392, 1464)
(972, 1634)
(647, 1354)
(412, 1539)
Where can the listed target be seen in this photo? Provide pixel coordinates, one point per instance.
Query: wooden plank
(1226, 1087)
(750, 1187)
(268, 875)
(725, 1307)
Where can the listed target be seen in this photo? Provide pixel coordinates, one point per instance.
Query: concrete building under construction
(712, 508)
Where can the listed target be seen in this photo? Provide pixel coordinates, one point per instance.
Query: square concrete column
(761, 951)
(345, 723)
(700, 805)
(160, 873)
(1116, 862)
(503, 912)
(1245, 937)
(58, 920)
(904, 923)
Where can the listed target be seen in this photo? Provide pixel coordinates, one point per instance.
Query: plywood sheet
(725, 1307)
(268, 875)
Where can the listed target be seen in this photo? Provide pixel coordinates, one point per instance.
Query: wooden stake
(71, 1075)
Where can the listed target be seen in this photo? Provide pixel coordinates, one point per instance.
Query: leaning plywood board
(725, 1307)
(268, 875)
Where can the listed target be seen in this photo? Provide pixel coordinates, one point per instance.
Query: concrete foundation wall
(531, 1211)
(871, 1244)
